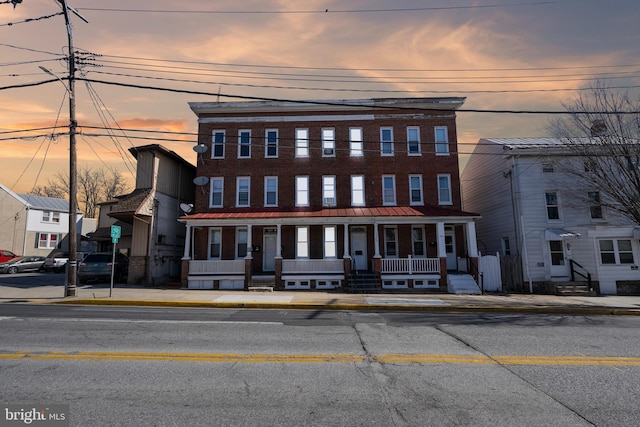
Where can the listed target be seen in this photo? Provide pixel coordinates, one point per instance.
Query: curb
(575, 311)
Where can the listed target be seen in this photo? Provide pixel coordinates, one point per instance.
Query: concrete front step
(462, 284)
(262, 283)
(573, 289)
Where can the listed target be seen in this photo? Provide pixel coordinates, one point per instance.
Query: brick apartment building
(313, 195)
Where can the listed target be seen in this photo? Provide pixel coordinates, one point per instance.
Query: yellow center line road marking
(328, 358)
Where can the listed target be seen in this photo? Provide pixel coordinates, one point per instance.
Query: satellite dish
(186, 207)
(201, 148)
(201, 180)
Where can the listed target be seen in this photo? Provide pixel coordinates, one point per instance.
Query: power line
(317, 11)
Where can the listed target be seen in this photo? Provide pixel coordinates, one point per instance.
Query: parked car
(57, 260)
(97, 267)
(6, 255)
(22, 264)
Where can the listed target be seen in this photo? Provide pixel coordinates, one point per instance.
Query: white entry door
(450, 246)
(269, 250)
(559, 262)
(359, 248)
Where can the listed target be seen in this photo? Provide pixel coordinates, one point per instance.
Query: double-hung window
(328, 190)
(357, 190)
(328, 142)
(413, 141)
(388, 190)
(386, 141)
(444, 190)
(243, 188)
(47, 240)
(48, 216)
(616, 251)
(302, 242)
(415, 190)
(271, 191)
(418, 241)
(595, 205)
(215, 243)
(241, 243)
(244, 144)
(302, 142)
(356, 148)
(217, 191)
(271, 143)
(553, 209)
(390, 242)
(442, 140)
(217, 149)
(302, 191)
(330, 244)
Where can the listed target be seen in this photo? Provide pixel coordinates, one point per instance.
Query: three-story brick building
(308, 194)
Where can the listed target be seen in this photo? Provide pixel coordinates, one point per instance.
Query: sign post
(116, 232)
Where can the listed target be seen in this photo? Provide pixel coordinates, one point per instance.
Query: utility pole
(72, 266)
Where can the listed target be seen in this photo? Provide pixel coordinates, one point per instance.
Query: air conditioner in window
(328, 151)
(329, 201)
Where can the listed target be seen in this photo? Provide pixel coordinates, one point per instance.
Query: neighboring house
(34, 225)
(313, 195)
(152, 237)
(531, 209)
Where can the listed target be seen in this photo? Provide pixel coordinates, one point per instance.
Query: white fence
(410, 265)
(216, 267)
(489, 268)
(312, 266)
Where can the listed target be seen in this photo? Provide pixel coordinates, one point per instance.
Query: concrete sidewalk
(318, 300)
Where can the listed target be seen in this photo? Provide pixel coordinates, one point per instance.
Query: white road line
(195, 322)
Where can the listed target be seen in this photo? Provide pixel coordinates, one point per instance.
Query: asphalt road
(164, 366)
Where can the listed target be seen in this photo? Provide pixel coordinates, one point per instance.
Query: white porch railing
(411, 265)
(312, 266)
(217, 267)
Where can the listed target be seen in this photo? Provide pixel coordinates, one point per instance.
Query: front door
(559, 261)
(359, 247)
(269, 246)
(450, 246)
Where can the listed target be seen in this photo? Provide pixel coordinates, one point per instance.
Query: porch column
(346, 257)
(347, 252)
(187, 243)
(278, 259)
(248, 259)
(442, 254)
(279, 242)
(376, 241)
(249, 242)
(472, 249)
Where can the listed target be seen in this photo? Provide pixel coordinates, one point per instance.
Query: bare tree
(602, 136)
(94, 186)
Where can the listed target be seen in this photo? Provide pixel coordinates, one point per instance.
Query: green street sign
(116, 232)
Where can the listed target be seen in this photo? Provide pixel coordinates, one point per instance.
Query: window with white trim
(595, 204)
(48, 216)
(442, 140)
(244, 144)
(215, 243)
(616, 251)
(271, 143)
(357, 190)
(217, 144)
(243, 188)
(302, 142)
(328, 190)
(241, 242)
(553, 208)
(444, 190)
(302, 191)
(390, 242)
(216, 186)
(328, 142)
(330, 243)
(356, 148)
(271, 191)
(413, 141)
(418, 241)
(386, 141)
(415, 190)
(302, 242)
(48, 240)
(388, 190)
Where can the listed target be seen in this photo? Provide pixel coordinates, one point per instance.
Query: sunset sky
(514, 55)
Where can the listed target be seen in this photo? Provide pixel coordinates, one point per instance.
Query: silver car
(22, 264)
